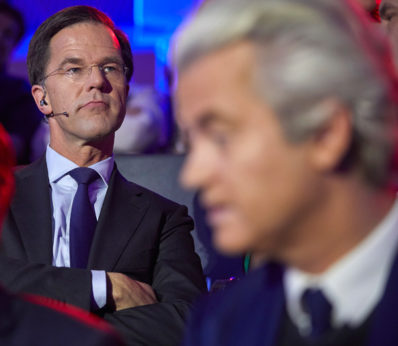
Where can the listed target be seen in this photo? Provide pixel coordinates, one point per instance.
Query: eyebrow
(213, 118)
(203, 123)
(70, 60)
(80, 61)
(207, 119)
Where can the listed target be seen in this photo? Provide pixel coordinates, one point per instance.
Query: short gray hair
(308, 51)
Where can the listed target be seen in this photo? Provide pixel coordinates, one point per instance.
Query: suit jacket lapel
(122, 211)
(32, 208)
(273, 305)
(257, 317)
(384, 327)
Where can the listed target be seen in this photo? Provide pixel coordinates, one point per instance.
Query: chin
(229, 245)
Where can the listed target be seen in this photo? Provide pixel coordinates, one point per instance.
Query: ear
(332, 141)
(39, 94)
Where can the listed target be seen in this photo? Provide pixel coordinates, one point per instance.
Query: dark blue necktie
(82, 219)
(320, 310)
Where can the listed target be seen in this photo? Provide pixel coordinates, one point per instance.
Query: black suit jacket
(250, 312)
(139, 233)
(23, 322)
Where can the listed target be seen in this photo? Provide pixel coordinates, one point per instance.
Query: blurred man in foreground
(289, 109)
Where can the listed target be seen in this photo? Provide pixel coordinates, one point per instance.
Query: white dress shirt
(63, 189)
(354, 284)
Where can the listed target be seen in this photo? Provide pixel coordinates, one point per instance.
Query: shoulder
(242, 295)
(243, 309)
(38, 167)
(30, 178)
(155, 200)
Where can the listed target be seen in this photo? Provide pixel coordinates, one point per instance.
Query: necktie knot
(84, 175)
(320, 310)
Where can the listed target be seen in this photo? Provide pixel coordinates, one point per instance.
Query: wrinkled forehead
(85, 35)
(90, 42)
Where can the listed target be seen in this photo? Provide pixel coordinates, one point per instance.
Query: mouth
(95, 104)
(218, 215)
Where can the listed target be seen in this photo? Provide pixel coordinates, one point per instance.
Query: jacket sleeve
(177, 282)
(19, 275)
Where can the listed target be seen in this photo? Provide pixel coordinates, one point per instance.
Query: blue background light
(148, 23)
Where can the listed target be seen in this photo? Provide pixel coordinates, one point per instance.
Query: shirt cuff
(99, 288)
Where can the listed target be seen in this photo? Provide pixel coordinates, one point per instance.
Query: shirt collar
(58, 166)
(355, 283)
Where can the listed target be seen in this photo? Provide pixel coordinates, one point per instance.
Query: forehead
(85, 40)
(207, 83)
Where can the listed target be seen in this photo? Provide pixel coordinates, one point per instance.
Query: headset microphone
(44, 103)
(54, 114)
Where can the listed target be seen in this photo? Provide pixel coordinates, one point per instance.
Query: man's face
(255, 185)
(389, 20)
(9, 31)
(95, 103)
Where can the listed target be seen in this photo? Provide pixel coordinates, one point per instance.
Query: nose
(198, 169)
(95, 78)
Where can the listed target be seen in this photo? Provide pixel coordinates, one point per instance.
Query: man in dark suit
(136, 265)
(32, 320)
(289, 109)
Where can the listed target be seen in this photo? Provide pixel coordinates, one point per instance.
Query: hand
(129, 293)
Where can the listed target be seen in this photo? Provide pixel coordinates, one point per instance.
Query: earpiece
(43, 102)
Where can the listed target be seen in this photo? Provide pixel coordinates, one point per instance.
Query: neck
(347, 214)
(85, 154)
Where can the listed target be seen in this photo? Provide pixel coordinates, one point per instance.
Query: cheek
(246, 192)
(62, 98)
(234, 237)
(118, 102)
(265, 191)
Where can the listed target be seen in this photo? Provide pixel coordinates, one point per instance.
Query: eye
(73, 71)
(110, 68)
(219, 138)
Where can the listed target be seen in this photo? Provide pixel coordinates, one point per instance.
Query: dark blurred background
(149, 126)
(148, 23)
